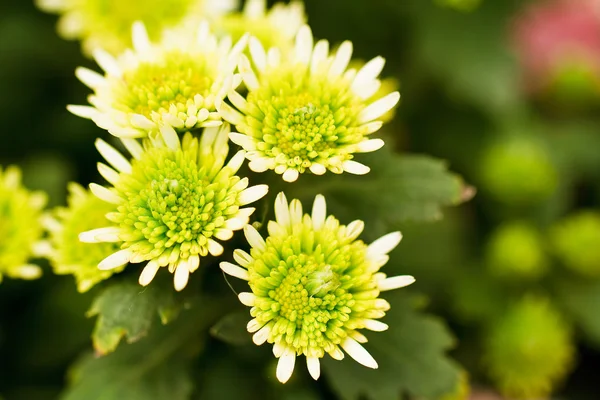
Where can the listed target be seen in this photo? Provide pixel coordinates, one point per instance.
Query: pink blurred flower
(558, 36)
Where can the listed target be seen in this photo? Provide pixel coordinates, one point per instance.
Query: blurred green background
(531, 150)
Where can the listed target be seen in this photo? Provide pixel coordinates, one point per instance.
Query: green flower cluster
(177, 194)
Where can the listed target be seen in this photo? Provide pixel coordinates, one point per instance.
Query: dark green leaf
(155, 368)
(398, 188)
(126, 309)
(411, 357)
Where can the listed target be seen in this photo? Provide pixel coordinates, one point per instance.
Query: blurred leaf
(399, 188)
(126, 309)
(581, 299)
(231, 328)
(473, 61)
(411, 357)
(155, 368)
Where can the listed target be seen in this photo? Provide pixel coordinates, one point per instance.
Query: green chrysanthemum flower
(274, 28)
(173, 200)
(70, 256)
(307, 111)
(179, 82)
(529, 350)
(516, 251)
(20, 226)
(106, 24)
(314, 286)
(576, 241)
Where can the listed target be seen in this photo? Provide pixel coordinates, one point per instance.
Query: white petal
(318, 169)
(246, 142)
(304, 45)
(259, 56)
(234, 270)
(368, 90)
(337, 354)
(214, 248)
(115, 260)
(113, 157)
(247, 73)
(108, 173)
(285, 366)
(140, 39)
(395, 282)
(254, 238)
(368, 72)
(376, 326)
(90, 78)
(262, 335)
(273, 57)
(82, 111)
(253, 325)
(247, 298)
(356, 168)
(295, 212)
(182, 275)
(133, 147)
(320, 54)
(384, 244)
(238, 101)
(259, 164)
(98, 235)
(378, 108)
(236, 161)
(359, 353)
(371, 127)
(341, 60)
(368, 146)
(319, 212)
(170, 137)
(223, 234)
(230, 114)
(141, 121)
(235, 224)
(359, 337)
(291, 175)
(148, 273)
(105, 194)
(282, 211)
(193, 262)
(354, 229)
(242, 258)
(252, 194)
(314, 367)
(278, 349)
(107, 62)
(254, 9)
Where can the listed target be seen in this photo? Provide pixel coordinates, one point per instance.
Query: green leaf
(411, 357)
(126, 309)
(231, 328)
(155, 368)
(399, 188)
(581, 300)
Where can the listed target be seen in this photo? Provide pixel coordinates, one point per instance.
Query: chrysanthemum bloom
(179, 81)
(530, 350)
(307, 111)
(314, 286)
(172, 201)
(106, 24)
(575, 241)
(20, 226)
(276, 27)
(69, 256)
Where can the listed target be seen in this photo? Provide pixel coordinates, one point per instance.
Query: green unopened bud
(515, 250)
(576, 242)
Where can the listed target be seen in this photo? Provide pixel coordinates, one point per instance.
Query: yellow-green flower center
(302, 118)
(172, 206)
(155, 86)
(312, 288)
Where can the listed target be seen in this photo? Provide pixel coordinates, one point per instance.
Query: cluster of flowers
(178, 194)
